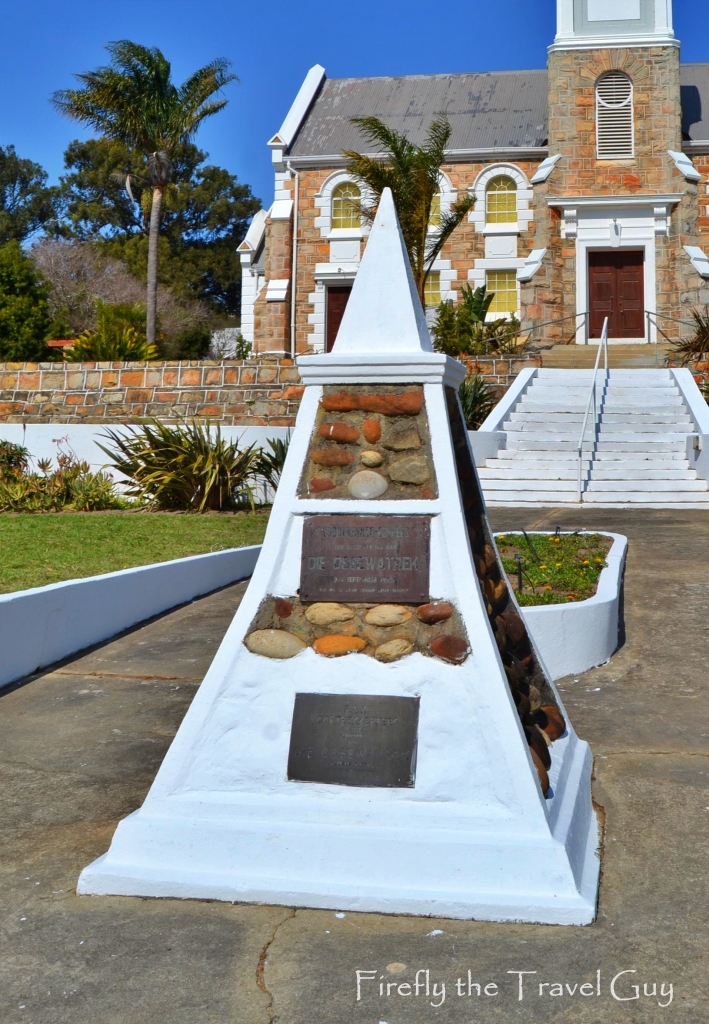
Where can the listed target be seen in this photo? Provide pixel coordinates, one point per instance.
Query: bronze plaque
(345, 740)
(369, 559)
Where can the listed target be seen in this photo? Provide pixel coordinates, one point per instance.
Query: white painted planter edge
(46, 624)
(575, 637)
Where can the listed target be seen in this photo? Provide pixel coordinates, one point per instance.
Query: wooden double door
(616, 289)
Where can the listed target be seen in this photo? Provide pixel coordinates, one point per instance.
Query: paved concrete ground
(80, 745)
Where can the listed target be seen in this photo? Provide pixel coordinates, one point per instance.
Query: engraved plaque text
(345, 740)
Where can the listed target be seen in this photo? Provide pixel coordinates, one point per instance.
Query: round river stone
(450, 648)
(388, 615)
(438, 611)
(371, 459)
(335, 646)
(366, 484)
(372, 430)
(325, 613)
(393, 650)
(274, 643)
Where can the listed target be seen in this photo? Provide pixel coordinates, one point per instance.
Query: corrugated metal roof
(694, 80)
(486, 111)
(492, 110)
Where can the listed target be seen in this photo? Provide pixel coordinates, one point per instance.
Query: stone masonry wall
(465, 245)
(251, 392)
(572, 133)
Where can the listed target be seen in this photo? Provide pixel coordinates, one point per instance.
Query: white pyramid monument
(430, 801)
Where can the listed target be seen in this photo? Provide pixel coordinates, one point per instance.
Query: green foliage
(134, 100)
(26, 203)
(243, 349)
(461, 328)
(204, 217)
(71, 486)
(555, 570)
(477, 398)
(119, 336)
(412, 173)
(694, 348)
(269, 465)
(188, 466)
(25, 321)
(14, 458)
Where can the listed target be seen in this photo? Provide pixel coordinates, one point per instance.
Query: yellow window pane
(501, 201)
(504, 285)
(345, 206)
(435, 220)
(432, 288)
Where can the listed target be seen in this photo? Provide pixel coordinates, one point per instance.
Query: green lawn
(40, 549)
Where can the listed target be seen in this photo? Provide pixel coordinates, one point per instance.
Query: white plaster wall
(41, 626)
(84, 438)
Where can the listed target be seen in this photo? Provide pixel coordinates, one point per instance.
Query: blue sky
(271, 44)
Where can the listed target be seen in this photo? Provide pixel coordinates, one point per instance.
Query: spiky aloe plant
(187, 466)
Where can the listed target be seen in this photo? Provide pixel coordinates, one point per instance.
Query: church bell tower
(585, 24)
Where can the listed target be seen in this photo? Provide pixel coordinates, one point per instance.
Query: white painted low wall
(509, 400)
(486, 444)
(577, 636)
(84, 438)
(41, 626)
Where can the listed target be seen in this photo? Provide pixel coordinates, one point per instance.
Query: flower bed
(555, 569)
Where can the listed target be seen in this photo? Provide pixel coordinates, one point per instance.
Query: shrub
(185, 467)
(25, 321)
(13, 458)
(693, 348)
(478, 398)
(462, 328)
(269, 465)
(119, 336)
(72, 486)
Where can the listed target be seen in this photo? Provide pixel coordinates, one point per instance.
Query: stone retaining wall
(250, 392)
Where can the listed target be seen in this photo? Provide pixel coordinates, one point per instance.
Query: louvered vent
(614, 117)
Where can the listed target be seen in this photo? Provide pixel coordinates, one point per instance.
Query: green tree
(204, 217)
(25, 322)
(26, 203)
(133, 100)
(413, 174)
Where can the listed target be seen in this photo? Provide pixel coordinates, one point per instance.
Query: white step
(675, 486)
(660, 498)
(509, 471)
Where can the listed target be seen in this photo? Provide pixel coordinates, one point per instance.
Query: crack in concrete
(651, 753)
(123, 675)
(261, 966)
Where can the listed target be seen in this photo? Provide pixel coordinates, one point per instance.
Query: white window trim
(525, 195)
(323, 202)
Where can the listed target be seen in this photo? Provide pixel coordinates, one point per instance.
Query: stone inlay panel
(370, 443)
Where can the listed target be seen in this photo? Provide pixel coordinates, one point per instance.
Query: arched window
(345, 205)
(501, 197)
(435, 218)
(615, 132)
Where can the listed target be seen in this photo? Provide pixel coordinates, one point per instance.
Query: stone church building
(590, 179)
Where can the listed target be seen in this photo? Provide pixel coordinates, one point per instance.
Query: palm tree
(135, 101)
(413, 175)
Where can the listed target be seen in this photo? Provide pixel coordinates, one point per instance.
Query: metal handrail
(649, 313)
(561, 320)
(602, 347)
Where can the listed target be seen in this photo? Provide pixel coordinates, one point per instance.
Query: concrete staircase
(580, 357)
(637, 456)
